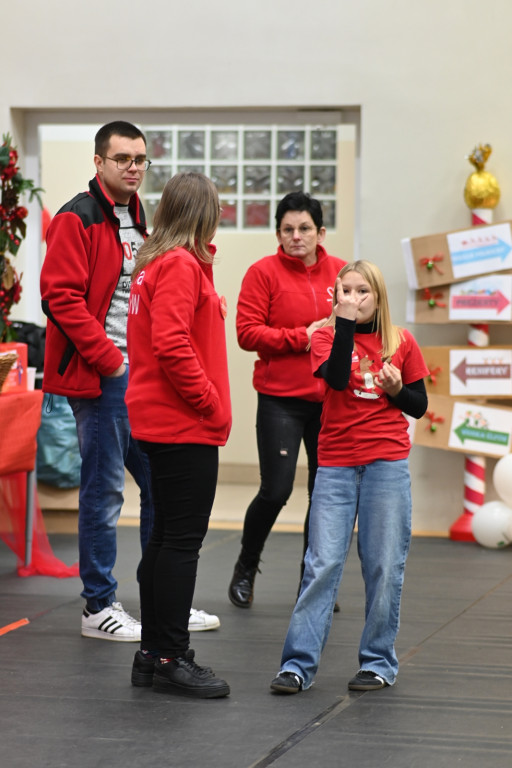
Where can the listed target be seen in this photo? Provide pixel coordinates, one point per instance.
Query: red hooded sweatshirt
(279, 299)
(178, 389)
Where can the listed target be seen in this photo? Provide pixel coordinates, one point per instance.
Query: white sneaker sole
(100, 634)
(203, 628)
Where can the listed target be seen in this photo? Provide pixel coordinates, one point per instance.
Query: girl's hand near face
(347, 302)
(389, 378)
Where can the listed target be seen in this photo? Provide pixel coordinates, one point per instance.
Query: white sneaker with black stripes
(112, 623)
(200, 621)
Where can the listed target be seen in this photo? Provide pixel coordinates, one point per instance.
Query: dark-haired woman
(283, 299)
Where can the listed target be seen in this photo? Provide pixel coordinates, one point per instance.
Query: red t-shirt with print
(360, 424)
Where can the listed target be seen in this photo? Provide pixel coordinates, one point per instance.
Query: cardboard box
(16, 380)
(469, 372)
(454, 256)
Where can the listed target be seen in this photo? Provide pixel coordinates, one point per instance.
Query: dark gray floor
(67, 701)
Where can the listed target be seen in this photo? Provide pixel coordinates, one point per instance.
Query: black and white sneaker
(366, 680)
(286, 682)
(112, 623)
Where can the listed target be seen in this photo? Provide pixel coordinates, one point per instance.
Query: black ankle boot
(241, 589)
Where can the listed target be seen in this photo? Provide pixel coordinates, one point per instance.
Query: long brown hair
(390, 334)
(187, 217)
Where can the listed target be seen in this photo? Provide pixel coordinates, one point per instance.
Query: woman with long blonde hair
(180, 412)
(374, 373)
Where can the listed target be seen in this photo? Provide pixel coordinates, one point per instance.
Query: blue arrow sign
(499, 250)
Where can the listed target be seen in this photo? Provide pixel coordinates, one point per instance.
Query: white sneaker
(112, 623)
(200, 621)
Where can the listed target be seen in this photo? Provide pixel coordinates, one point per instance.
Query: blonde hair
(187, 217)
(390, 334)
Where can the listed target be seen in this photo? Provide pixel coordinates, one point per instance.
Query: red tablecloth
(20, 416)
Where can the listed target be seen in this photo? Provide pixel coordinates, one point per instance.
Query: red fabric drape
(20, 416)
(12, 531)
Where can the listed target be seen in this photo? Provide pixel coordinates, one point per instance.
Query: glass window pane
(329, 211)
(290, 178)
(225, 178)
(156, 178)
(323, 145)
(224, 145)
(290, 145)
(257, 179)
(257, 213)
(257, 145)
(159, 144)
(323, 179)
(251, 166)
(194, 168)
(191, 145)
(150, 207)
(229, 214)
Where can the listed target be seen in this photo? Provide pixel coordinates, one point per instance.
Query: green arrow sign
(465, 432)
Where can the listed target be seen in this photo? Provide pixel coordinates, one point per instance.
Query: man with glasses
(85, 288)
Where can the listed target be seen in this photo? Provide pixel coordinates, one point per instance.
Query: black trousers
(281, 425)
(184, 480)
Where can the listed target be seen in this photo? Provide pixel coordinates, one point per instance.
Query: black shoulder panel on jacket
(86, 208)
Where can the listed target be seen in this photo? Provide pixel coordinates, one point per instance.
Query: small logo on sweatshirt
(133, 304)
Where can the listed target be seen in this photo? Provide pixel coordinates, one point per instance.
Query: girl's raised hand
(347, 303)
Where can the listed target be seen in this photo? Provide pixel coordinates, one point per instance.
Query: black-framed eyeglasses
(124, 162)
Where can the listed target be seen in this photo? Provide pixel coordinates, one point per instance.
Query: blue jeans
(282, 423)
(106, 447)
(379, 494)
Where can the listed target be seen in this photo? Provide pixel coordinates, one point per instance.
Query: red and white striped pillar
(474, 466)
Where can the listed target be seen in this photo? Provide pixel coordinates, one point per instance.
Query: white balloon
(492, 525)
(502, 478)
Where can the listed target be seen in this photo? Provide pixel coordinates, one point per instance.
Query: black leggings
(281, 425)
(184, 480)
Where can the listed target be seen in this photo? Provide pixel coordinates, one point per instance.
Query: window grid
(181, 147)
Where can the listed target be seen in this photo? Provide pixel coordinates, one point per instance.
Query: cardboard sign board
(469, 371)
(486, 299)
(464, 426)
(453, 256)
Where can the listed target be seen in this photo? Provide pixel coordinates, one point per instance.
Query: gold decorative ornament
(482, 189)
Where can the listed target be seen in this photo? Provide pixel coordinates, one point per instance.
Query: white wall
(432, 79)
(66, 166)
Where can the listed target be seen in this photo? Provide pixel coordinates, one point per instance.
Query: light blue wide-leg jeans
(379, 495)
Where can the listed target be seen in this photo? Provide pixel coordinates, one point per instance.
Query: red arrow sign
(495, 301)
(465, 371)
